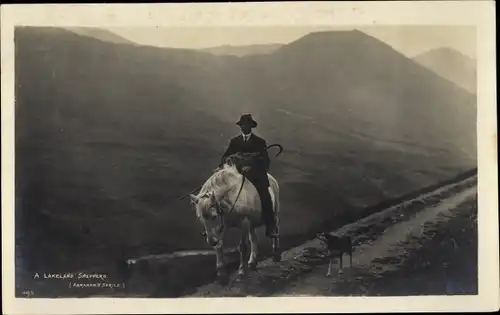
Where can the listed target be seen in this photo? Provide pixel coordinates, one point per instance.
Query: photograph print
(173, 162)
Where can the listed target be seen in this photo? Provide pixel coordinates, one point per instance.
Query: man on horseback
(247, 142)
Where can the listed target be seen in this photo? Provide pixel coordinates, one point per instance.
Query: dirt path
(401, 251)
(385, 245)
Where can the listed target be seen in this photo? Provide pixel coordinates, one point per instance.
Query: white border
(478, 13)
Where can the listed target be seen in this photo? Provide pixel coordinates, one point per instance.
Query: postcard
(249, 157)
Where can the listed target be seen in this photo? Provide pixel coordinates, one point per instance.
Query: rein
(280, 150)
(221, 211)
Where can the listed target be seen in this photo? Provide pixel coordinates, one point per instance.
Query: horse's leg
(276, 249)
(252, 262)
(329, 272)
(276, 243)
(243, 249)
(220, 265)
(341, 260)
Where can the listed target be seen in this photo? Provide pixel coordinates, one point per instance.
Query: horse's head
(209, 212)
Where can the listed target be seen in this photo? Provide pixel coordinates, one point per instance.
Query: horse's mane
(220, 178)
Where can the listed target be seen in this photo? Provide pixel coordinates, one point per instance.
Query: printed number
(28, 293)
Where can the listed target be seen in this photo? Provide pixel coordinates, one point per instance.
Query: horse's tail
(275, 240)
(275, 188)
(275, 145)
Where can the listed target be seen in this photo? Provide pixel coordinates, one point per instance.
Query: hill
(109, 135)
(240, 51)
(100, 34)
(367, 114)
(451, 65)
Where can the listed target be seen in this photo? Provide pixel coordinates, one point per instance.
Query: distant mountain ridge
(243, 50)
(451, 65)
(101, 34)
(112, 134)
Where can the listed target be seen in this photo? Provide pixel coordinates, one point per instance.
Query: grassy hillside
(372, 123)
(244, 50)
(101, 34)
(108, 135)
(451, 65)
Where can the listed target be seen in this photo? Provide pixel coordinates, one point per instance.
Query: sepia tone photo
(112, 132)
(246, 161)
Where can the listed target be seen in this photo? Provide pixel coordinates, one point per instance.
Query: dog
(336, 245)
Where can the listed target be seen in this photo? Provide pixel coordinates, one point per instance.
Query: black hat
(247, 118)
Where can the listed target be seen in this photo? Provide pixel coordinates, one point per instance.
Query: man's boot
(261, 183)
(267, 211)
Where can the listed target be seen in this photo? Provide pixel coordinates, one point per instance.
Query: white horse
(229, 200)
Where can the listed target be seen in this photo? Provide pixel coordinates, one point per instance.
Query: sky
(409, 40)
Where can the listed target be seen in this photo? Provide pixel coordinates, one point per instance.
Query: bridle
(220, 210)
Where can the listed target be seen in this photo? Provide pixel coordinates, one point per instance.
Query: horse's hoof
(277, 258)
(241, 272)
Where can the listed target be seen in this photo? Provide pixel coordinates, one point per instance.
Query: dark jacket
(253, 145)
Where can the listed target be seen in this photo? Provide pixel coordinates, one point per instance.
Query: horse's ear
(194, 199)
